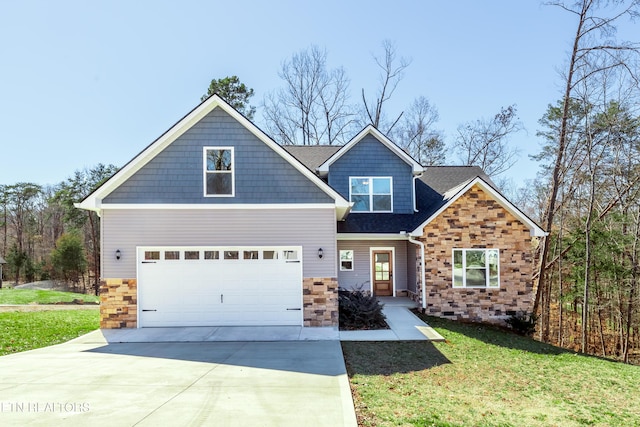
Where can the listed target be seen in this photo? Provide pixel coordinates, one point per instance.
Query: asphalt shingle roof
(431, 188)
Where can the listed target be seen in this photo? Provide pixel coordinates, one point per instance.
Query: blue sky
(84, 82)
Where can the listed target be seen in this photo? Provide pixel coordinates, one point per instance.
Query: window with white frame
(218, 171)
(476, 268)
(346, 260)
(371, 194)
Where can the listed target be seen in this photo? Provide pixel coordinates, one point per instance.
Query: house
(215, 224)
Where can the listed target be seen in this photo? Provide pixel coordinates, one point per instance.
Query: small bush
(360, 310)
(522, 323)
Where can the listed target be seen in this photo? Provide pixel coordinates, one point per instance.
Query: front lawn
(34, 296)
(482, 376)
(25, 331)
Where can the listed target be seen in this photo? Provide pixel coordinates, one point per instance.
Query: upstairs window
(218, 172)
(371, 194)
(476, 268)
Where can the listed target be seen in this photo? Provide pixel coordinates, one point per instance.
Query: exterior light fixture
(320, 253)
(118, 254)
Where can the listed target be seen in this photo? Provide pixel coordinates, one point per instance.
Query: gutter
(422, 269)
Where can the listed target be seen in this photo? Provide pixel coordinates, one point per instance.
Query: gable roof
(416, 167)
(94, 200)
(453, 194)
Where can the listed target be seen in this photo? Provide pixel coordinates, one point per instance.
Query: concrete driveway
(89, 382)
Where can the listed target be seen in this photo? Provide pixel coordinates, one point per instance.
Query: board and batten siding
(360, 277)
(312, 228)
(369, 157)
(175, 175)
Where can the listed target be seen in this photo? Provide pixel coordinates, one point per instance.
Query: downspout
(422, 270)
(415, 200)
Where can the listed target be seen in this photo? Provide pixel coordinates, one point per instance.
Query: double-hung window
(219, 171)
(476, 268)
(371, 194)
(346, 260)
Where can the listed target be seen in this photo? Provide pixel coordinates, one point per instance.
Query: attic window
(218, 172)
(371, 194)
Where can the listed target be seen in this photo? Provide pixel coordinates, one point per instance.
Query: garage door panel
(209, 291)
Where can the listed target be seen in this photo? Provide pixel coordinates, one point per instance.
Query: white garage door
(219, 286)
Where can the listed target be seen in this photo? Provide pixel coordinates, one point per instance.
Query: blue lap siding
(369, 157)
(176, 174)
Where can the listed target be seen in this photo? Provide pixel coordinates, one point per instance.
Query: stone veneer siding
(475, 220)
(118, 303)
(320, 301)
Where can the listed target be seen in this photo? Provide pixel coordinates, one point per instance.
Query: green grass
(21, 331)
(32, 296)
(483, 376)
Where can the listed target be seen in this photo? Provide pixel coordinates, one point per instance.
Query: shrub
(522, 323)
(360, 310)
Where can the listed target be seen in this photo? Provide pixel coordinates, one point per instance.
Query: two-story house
(216, 224)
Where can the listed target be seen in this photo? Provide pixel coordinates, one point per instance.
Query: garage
(219, 286)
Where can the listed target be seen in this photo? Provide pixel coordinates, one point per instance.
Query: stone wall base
(118, 303)
(320, 299)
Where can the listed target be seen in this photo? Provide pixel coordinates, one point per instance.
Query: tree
(485, 142)
(391, 73)
(75, 189)
(418, 136)
(68, 258)
(234, 92)
(20, 201)
(313, 107)
(594, 51)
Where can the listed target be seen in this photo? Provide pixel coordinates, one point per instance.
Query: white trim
(205, 171)
(464, 269)
(371, 193)
(393, 267)
(94, 200)
(455, 194)
(216, 206)
(368, 236)
(353, 259)
(423, 273)
(416, 167)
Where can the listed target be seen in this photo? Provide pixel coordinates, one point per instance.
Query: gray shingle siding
(176, 174)
(369, 157)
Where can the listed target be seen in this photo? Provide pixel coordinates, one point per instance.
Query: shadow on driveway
(308, 357)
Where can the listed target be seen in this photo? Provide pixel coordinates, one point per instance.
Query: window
(191, 254)
(270, 255)
(346, 260)
(171, 255)
(218, 171)
(371, 194)
(211, 255)
(476, 268)
(250, 255)
(231, 255)
(151, 255)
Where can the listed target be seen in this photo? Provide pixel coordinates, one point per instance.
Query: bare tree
(419, 137)
(485, 142)
(594, 50)
(313, 106)
(391, 73)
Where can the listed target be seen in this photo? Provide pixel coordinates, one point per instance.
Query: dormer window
(371, 194)
(218, 172)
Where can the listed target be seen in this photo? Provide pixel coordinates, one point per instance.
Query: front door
(382, 273)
